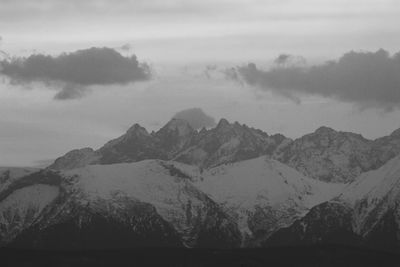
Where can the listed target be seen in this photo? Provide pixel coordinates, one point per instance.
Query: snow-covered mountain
(326, 154)
(227, 186)
(333, 156)
(367, 212)
(150, 201)
(8, 175)
(264, 195)
(178, 141)
(163, 202)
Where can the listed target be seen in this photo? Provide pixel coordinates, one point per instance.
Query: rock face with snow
(365, 213)
(178, 141)
(23, 200)
(148, 203)
(164, 202)
(326, 154)
(329, 155)
(264, 195)
(333, 156)
(10, 175)
(228, 186)
(227, 143)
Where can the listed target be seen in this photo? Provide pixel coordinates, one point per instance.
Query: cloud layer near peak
(368, 79)
(77, 70)
(196, 118)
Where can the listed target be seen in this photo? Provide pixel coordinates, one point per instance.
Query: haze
(188, 45)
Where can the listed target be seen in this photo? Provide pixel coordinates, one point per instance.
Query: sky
(187, 46)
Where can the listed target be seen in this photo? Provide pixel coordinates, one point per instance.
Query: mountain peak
(223, 123)
(137, 129)
(325, 130)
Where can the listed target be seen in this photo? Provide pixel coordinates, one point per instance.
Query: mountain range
(228, 186)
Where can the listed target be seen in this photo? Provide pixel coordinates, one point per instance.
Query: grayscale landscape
(199, 133)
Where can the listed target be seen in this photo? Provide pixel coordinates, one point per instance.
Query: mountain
(227, 143)
(325, 154)
(9, 175)
(23, 200)
(263, 195)
(148, 203)
(334, 156)
(386, 148)
(178, 141)
(229, 186)
(365, 213)
(157, 203)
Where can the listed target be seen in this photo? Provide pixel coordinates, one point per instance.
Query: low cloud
(74, 72)
(196, 118)
(126, 47)
(368, 79)
(71, 91)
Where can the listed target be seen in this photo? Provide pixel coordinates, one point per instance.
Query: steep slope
(72, 225)
(367, 212)
(194, 215)
(227, 143)
(178, 141)
(264, 195)
(334, 156)
(328, 155)
(373, 195)
(24, 200)
(8, 175)
(386, 148)
(22, 208)
(75, 159)
(135, 145)
(166, 203)
(147, 203)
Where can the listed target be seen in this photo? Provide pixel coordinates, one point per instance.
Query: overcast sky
(42, 119)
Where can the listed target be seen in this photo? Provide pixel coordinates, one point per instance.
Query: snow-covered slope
(8, 175)
(22, 208)
(148, 200)
(263, 194)
(366, 212)
(157, 183)
(226, 206)
(372, 195)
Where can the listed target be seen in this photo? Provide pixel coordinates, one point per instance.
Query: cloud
(196, 118)
(126, 47)
(232, 74)
(70, 91)
(368, 79)
(285, 60)
(74, 72)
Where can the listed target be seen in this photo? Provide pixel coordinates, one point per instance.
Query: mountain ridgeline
(226, 187)
(325, 155)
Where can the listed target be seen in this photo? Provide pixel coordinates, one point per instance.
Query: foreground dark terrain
(285, 256)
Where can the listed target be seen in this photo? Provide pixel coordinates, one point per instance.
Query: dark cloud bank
(196, 118)
(369, 79)
(73, 72)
